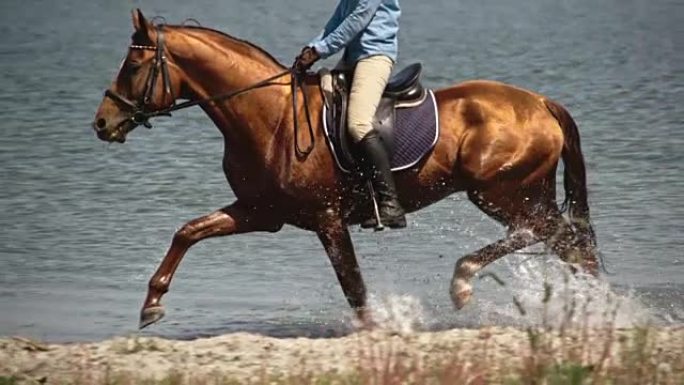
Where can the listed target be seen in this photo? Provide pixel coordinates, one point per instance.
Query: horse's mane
(224, 35)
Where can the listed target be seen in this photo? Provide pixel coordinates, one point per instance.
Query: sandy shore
(246, 357)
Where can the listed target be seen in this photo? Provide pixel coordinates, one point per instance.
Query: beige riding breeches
(370, 78)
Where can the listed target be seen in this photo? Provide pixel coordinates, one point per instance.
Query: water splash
(545, 292)
(397, 313)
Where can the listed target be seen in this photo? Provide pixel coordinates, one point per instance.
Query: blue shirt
(364, 27)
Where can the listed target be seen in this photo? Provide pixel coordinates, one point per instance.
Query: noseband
(140, 113)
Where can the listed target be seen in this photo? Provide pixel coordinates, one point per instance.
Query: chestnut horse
(499, 143)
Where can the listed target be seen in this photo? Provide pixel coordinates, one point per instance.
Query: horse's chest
(247, 181)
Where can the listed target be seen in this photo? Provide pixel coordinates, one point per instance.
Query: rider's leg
(370, 78)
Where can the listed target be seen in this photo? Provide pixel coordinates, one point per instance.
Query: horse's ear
(142, 27)
(139, 21)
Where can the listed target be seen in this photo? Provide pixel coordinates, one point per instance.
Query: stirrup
(372, 223)
(375, 222)
(377, 226)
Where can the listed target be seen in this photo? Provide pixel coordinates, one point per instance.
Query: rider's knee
(358, 129)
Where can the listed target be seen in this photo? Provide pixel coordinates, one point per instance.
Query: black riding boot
(376, 164)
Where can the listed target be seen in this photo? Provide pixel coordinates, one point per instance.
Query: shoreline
(250, 358)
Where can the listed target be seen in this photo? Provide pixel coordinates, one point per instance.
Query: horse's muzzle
(116, 134)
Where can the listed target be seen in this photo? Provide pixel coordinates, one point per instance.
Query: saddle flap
(383, 123)
(408, 133)
(405, 101)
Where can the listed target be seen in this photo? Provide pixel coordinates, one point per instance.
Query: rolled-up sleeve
(336, 39)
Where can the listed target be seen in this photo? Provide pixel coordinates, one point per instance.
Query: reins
(141, 115)
(167, 111)
(296, 81)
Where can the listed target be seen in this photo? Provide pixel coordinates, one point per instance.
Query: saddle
(404, 91)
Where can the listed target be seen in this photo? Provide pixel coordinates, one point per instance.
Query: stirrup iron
(376, 209)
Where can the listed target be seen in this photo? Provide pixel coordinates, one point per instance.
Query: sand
(250, 357)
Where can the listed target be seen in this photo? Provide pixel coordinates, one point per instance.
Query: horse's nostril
(101, 123)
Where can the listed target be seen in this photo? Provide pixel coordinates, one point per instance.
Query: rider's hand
(306, 59)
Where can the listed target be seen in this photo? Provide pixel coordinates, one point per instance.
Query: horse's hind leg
(233, 219)
(563, 241)
(522, 211)
(466, 267)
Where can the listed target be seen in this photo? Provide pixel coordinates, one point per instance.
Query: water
(84, 224)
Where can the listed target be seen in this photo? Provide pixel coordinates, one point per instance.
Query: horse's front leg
(335, 238)
(233, 219)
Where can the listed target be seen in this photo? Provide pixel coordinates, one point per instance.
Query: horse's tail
(574, 176)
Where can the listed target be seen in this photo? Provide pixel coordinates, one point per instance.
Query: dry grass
(581, 357)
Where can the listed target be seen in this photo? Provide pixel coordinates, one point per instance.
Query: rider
(367, 31)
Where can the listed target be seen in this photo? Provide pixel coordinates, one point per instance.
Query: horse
(498, 143)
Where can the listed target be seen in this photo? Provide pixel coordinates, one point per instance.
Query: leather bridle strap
(140, 115)
(296, 82)
(190, 103)
(160, 64)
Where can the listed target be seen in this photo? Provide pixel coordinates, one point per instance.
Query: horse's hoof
(461, 298)
(364, 320)
(461, 292)
(151, 315)
(368, 324)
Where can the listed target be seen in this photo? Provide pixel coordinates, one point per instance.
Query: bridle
(141, 113)
(139, 109)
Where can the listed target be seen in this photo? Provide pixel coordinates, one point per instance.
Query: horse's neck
(215, 66)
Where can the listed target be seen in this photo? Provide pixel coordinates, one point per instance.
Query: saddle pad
(416, 131)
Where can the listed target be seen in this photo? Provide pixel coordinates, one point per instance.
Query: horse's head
(143, 88)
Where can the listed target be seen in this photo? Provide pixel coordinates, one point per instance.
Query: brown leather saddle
(404, 90)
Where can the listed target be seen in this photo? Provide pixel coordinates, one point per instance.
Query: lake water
(84, 224)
